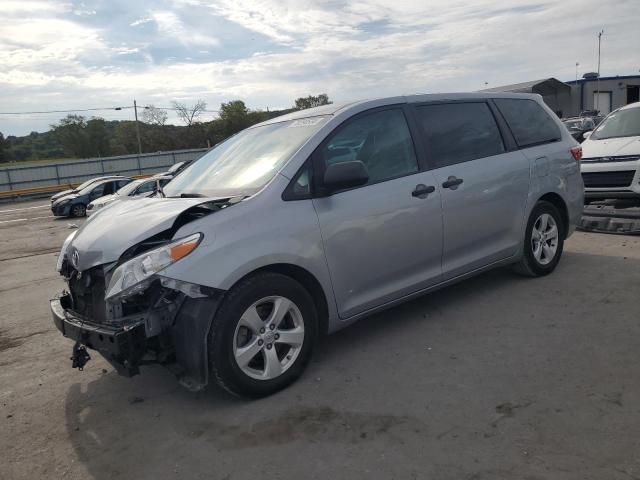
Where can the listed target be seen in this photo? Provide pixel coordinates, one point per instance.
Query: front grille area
(608, 179)
(87, 291)
(620, 158)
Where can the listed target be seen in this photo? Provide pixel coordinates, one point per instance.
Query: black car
(578, 126)
(75, 203)
(84, 185)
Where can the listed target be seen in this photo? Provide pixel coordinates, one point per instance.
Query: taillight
(577, 153)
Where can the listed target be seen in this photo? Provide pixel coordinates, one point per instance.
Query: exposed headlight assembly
(63, 251)
(135, 275)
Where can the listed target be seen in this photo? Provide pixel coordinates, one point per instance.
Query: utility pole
(135, 110)
(598, 80)
(577, 64)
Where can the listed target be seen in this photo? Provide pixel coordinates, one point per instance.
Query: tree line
(76, 136)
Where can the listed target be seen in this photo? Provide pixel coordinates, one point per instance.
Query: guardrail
(61, 175)
(35, 192)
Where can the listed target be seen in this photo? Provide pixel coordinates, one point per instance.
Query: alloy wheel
(78, 210)
(268, 338)
(544, 239)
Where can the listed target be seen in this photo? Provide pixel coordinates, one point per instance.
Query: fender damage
(166, 323)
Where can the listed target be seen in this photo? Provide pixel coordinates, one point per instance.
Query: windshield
(244, 163)
(623, 123)
(89, 189)
(128, 188)
(85, 184)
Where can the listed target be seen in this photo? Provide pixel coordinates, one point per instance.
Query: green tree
(82, 138)
(71, 133)
(234, 116)
(311, 101)
(97, 138)
(124, 140)
(4, 145)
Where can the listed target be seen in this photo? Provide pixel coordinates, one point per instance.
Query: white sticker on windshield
(306, 122)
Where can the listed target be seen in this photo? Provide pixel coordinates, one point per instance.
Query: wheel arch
(308, 281)
(558, 202)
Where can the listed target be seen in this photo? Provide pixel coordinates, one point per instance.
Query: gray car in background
(301, 225)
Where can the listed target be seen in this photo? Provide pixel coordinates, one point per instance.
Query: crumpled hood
(106, 236)
(62, 194)
(610, 147)
(70, 196)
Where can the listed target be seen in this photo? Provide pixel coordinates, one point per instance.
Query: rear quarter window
(459, 132)
(528, 121)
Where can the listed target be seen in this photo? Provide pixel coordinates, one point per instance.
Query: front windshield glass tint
(128, 188)
(90, 188)
(623, 123)
(245, 162)
(85, 184)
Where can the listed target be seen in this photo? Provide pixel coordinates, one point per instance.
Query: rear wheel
(263, 335)
(544, 241)
(78, 210)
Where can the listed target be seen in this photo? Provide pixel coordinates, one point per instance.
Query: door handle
(421, 191)
(452, 183)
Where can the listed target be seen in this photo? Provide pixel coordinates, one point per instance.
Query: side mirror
(339, 176)
(586, 135)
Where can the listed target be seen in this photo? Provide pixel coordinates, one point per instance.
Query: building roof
(543, 86)
(617, 77)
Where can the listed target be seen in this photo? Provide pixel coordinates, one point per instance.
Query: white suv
(611, 156)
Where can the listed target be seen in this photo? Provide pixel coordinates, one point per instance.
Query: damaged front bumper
(174, 335)
(122, 347)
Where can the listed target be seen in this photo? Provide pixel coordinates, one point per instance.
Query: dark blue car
(75, 204)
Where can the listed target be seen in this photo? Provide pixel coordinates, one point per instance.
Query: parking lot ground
(495, 377)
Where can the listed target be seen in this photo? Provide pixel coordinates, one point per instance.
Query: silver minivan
(300, 225)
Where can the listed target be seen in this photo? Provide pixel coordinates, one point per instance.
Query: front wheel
(543, 242)
(263, 335)
(78, 210)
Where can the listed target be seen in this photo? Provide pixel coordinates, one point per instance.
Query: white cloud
(141, 21)
(169, 24)
(349, 49)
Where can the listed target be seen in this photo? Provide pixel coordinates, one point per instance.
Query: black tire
(78, 210)
(224, 369)
(528, 265)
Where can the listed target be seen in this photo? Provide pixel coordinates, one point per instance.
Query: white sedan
(136, 189)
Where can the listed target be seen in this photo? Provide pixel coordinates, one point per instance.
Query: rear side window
(459, 132)
(381, 140)
(528, 122)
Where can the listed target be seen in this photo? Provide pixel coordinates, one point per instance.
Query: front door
(484, 186)
(382, 240)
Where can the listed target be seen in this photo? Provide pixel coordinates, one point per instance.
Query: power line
(96, 109)
(66, 111)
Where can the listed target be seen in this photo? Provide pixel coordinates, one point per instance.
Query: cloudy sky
(61, 55)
